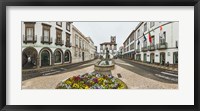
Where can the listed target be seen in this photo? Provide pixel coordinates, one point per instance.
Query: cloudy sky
(101, 31)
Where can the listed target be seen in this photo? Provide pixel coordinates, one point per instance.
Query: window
(57, 57)
(115, 47)
(46, 32)
(145, 27)
(58, 36)
(132, 46)
(152, 24)
(101, 47)
(80, 40)
(127, 41)
(145, 43)
(153, 40)
(83, 43)
(138, 33)
(132, 37)
(79, 53)
(76, 40)
(67, 55)
(59, 24)
(75, 51)
(29, 33)
(67, 40)
(163, 37)
(68, 26)
(29, 30)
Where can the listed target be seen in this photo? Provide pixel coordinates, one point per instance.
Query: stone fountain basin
(103, 68)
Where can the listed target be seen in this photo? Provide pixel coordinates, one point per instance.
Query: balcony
(59, 42)
(144, 49)
(137, 50)
(68, 44)
(151, 47)
(29, 39)
(162, 45)
(46, 39)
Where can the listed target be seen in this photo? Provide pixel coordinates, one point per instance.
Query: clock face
(113, 39)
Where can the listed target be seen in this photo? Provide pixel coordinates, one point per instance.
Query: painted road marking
(166, 73)
(126, 64)
(168, 78)
(50, 73)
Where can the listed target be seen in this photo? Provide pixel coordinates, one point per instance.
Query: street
(135, 75)
(149, 72)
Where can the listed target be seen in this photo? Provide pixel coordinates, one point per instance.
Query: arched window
(67, 56)
(58, 57)
(45, 58)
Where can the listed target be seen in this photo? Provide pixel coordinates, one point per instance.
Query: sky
(102, 31)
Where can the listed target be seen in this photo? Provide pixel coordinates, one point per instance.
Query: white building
(45, 44)
(120, 52)
(157, 42)
(92, 49)
(82, 48)
(129, 46)
(110, 46)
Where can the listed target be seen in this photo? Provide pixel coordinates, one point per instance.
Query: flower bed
(92, 81)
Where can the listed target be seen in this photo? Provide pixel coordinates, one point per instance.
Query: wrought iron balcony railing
(46, 39)
(137, 50)
(151, 47)
(59, 42)
(29, 39)
(144, 49)
(68, 44)
(162, 45)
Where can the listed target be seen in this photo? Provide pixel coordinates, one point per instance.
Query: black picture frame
(5, 3)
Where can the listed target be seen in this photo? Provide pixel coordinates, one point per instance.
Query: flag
(144, 37)
(160, 27)
(138, 42)
(150, 40)
(161, 32)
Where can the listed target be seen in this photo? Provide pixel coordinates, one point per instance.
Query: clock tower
(113, 39)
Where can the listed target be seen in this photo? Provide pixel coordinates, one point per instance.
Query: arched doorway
(29, 58)
(162, 58)
(45, 58)
(67, 56)
(58, 56)
(145, 57)
(152, 58)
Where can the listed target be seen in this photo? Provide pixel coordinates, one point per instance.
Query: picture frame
(3, 42)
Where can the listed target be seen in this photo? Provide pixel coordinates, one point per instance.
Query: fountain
(105, 65)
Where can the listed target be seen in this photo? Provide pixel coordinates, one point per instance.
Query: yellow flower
(68, 82)
(75, 86)
(86, 87)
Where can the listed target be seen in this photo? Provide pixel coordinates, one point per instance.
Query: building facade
(96, 52)
(46, 44)
(157, 42)
(110, 46)
(129, 46)
(121, 52)
(82, 48)
(92, 49)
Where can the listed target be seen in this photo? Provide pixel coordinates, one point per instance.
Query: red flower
(95, 80)
(77, 78)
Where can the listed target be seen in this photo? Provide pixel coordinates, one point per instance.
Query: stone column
(38, 62)
(52, 59)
